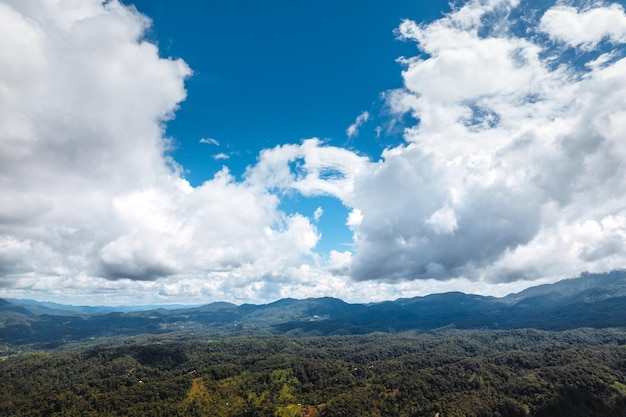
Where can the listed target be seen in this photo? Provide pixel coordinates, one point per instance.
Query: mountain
(587, 287)
(10, 308)
(591, 300)
(45, 307)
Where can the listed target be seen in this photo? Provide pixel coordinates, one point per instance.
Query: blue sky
(277, 72)
(157, 152)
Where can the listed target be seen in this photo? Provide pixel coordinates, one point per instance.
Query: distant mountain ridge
(591, 300)
(598, 286)
(46, 307)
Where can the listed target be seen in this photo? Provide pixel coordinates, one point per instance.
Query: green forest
(442, 373)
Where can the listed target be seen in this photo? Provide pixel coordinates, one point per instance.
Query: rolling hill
(591, 300)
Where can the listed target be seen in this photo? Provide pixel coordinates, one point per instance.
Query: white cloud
(514, 170)
(81, 126)
(340, 262)
(90, 201)
(443, 221)
(221, 155)
(318, 213)
(511, 155)
(311, 168)
(355, 217)
(587, 27)
(353, 129)
(210, 141)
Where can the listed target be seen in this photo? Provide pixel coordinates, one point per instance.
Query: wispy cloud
(353, 129)
(221, 156)
(210, 141)
(318, 213)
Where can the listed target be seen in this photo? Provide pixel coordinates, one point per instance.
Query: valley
(557, 349)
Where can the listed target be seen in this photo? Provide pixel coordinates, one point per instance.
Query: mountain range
(591, 300)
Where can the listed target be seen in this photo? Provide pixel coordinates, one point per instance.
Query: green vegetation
(447, 373)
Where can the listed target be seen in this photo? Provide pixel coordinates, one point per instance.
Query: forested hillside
(445, 373)
(592, 300)
(553, 350)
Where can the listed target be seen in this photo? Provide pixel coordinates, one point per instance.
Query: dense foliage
(445, 373)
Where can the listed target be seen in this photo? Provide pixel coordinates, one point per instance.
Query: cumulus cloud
(353, 129)
(88, 191)
(311, 168)
(513, 168)
(587, 27)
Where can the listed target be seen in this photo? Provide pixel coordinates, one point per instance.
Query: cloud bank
(515, 165)
(89, 194)
(513, 170)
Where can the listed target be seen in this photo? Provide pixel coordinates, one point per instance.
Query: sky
(161, 152)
